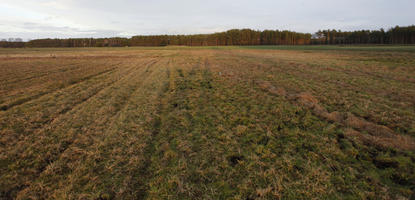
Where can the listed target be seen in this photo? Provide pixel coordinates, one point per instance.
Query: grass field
(262, 122)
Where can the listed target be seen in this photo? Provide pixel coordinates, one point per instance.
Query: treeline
(231, 37)
(7, 44)
(80, 42)
(396, 35)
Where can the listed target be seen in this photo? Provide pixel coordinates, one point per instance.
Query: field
(259, 122)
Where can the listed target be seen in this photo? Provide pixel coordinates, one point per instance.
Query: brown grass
(206, 124)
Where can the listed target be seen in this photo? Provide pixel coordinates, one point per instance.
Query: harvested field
(208, 123)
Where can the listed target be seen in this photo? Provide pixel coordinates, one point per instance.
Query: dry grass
(183, 123)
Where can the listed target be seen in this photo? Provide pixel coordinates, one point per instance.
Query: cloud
(35, 30)
(107, 18)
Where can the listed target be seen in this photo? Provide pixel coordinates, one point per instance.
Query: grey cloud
(130, 17)
(36, 30)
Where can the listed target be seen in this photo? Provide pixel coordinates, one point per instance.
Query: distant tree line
(7, 44)
(231, 37)
(80, 42)
(396, 35)
(12, 43)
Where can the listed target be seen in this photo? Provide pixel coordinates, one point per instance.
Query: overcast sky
(109, 18)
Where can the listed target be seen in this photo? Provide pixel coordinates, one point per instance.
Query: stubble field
(208, 123)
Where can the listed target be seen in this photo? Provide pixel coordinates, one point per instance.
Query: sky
(33, 19)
